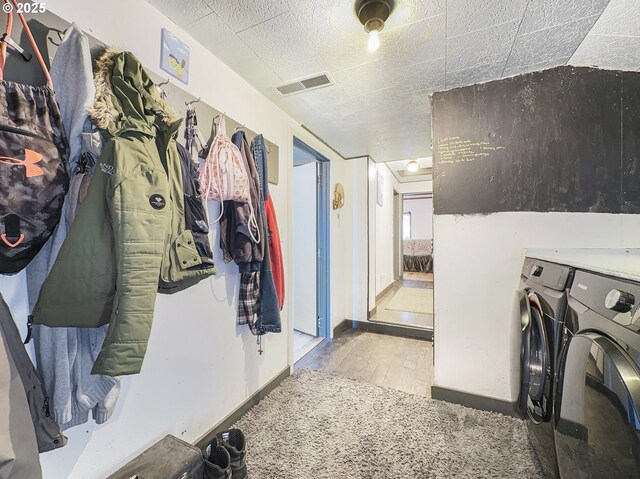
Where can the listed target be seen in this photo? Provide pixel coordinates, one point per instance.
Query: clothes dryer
(597, 401)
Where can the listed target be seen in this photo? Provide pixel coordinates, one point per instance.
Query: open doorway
(310, 248)
(417, 238)
(408, 300)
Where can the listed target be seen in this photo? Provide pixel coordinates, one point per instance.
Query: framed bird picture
(174, 56)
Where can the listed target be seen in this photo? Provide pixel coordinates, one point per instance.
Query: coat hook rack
(189, 103)
(61, 35)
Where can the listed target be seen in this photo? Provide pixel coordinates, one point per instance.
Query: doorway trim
(323, 231)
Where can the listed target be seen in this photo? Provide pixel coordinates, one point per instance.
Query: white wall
(477, 262)
(372, 172)
(384, 229)
(304, 246)
(199, 366)
(356, 208)
(415, 187)
(421, 217)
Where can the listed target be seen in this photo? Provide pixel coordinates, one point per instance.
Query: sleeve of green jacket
(138, 198)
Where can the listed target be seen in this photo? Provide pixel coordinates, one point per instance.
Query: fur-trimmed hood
(126, 98)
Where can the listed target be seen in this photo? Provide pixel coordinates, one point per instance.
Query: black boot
(234, 443)
(217, 463)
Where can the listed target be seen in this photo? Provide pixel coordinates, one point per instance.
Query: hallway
(404, 364)
(390, 310)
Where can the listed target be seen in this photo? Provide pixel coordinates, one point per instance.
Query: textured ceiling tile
(409, 11)
(379, 152)
(612, 52)
(244, 14)
(279, 41)
(182, 12)
(344, 44)
(542, 14)
(384, 111)
(258, 73)
(414, 147)
(345, 142)
(325, 99)
(621, 17)
(341, 53)
(297, 108)
(614, 41)
(377, 75)
(552, 43)
(465, 16)
(415, 43)
(302, 69)
(217, 37)
(473, 75)
(327, 18)
(491, 45)
(513, 70)
(397, 132)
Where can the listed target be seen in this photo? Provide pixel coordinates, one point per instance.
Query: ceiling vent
(306, 84)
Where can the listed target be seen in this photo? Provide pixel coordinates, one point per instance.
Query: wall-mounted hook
(163, 83)
(189, 103)
(241, 127)
(61, 35)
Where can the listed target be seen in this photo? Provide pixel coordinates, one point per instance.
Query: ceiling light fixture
(413, 166)
(372, 14)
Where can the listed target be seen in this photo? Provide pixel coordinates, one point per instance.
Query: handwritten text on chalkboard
(457, 150)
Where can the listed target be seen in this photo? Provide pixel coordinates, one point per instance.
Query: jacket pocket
(196, 221)
(186, 250)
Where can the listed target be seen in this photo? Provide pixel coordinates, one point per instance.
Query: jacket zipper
(19, 131)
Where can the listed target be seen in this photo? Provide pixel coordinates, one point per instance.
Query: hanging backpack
(33, 158)
(224, 176)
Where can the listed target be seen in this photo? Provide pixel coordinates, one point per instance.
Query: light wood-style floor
(401, 363)
(403, 318)
(418, 276)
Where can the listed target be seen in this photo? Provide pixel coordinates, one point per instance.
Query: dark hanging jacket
(235, 240)
(47, 433)
(195, 220)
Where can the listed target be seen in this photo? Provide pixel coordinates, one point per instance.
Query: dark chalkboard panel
(566, 139)
(631, 143)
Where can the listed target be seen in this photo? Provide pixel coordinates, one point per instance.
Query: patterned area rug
(413, 300)
(318, 425)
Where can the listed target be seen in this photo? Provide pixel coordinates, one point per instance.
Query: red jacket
(275, 250)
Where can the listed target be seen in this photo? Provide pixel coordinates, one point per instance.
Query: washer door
(534, 359)
(597, 427)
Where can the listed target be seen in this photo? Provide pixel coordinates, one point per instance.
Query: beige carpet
(413, 300)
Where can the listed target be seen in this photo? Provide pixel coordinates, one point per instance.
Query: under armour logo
(30, 159)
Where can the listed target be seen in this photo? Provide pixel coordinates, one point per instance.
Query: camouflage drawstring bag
(33, 158)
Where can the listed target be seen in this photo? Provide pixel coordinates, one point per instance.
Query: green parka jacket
(129, 234)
